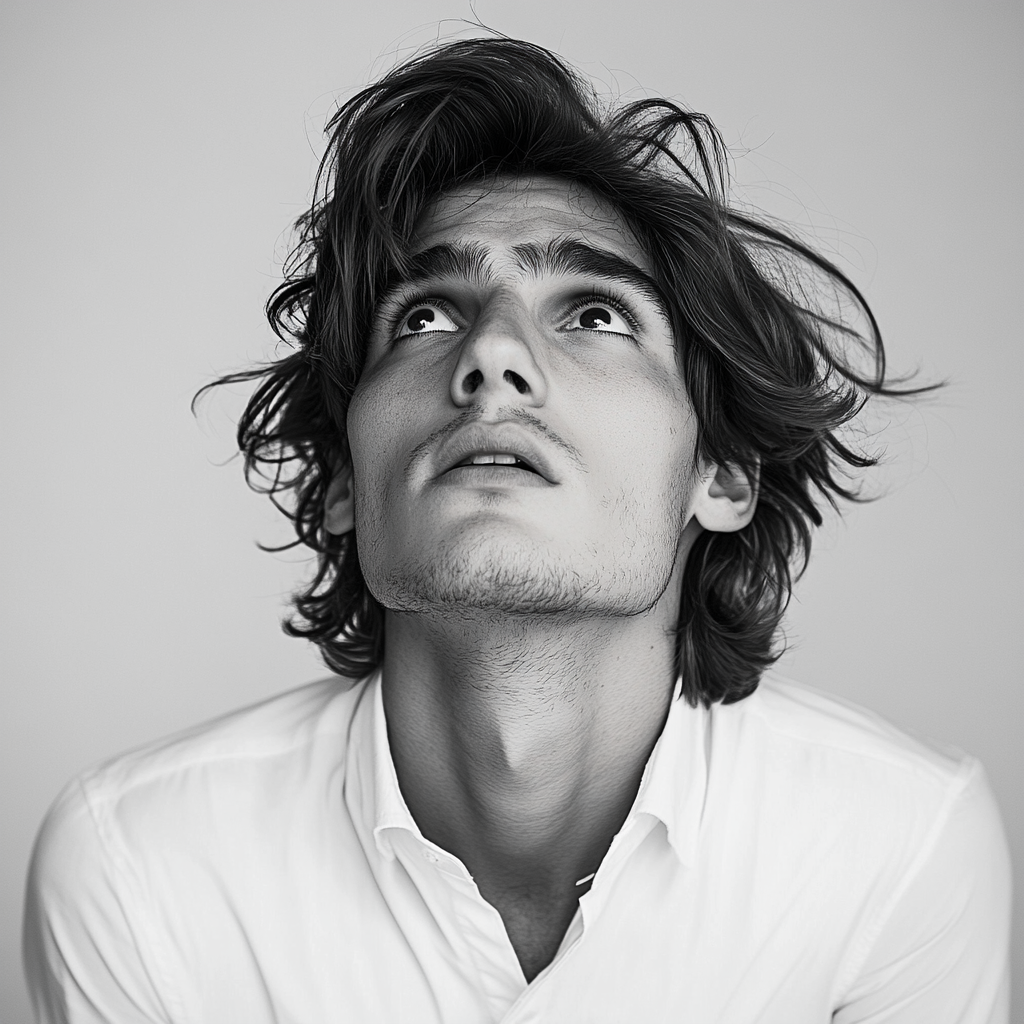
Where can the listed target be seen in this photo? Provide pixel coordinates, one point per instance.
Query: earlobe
(339, 516)
(726, 498)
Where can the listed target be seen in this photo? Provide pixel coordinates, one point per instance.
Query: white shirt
(789, 859)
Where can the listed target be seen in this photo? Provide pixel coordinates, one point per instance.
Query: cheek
(372, 449)
(647, 432)
(391, 412)
(379, 409)
(362, 438)
(650, 480)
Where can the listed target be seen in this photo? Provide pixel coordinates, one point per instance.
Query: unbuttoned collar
(674, 782)
(672, 788)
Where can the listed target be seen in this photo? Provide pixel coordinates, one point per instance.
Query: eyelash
(399, 312)
(605, 299)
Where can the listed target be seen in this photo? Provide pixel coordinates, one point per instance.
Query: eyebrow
(572, 256)
(463, 260)
(471, 262)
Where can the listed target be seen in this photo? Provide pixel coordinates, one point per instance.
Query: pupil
(419, 320)
(595, 318)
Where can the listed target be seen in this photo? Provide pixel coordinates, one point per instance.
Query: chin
(512, 580)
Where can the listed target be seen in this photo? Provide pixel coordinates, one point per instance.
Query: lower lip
(493, 475)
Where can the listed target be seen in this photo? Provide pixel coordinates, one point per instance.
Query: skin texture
(529, 626)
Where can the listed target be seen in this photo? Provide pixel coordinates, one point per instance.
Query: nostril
(516, 381)
(472, 381)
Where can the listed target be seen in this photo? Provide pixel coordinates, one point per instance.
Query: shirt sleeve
(85, 952)
(941, 951)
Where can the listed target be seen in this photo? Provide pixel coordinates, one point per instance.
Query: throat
(520, 751)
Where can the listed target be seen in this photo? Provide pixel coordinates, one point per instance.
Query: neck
(519, 743)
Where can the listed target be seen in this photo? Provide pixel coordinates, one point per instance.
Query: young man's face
(521, 437)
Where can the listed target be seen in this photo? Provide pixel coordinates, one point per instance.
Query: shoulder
(137, 850)
(272, 731)
(890, 843)
(272, 727)
(238, 765)
(805, 725)
(909, 837)
(823, 773)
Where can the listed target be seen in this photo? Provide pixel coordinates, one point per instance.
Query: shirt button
(430, 857)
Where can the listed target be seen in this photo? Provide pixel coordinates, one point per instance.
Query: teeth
(498, 458)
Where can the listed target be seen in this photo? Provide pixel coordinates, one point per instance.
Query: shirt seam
(104, 775)
(912, 761)
(119, 859)
(861, 947)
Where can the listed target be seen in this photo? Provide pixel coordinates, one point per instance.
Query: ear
(726, 498)
(339, 516)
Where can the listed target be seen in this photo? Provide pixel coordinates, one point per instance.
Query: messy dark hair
(773, 372)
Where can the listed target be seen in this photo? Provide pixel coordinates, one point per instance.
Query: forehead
(509, 211)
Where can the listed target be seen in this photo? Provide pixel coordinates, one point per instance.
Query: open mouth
(503, 459)
(499, 455)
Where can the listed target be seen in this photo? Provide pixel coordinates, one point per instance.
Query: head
(591, 299)
(526, 330)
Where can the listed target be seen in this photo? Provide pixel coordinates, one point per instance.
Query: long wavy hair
(773, 375)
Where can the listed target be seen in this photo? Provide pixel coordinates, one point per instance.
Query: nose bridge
(498, 358)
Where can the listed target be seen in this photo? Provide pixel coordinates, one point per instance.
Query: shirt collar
(389, 807)
(672, 787)
(674, 782)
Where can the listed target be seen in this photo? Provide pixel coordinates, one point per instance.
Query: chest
(535, 926)
(412, 939)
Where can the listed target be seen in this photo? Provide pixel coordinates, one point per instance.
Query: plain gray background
(153, 159)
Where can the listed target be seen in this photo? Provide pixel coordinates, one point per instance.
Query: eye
(425, 318)
(598, 315)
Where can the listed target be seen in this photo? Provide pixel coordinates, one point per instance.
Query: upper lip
(491, 439)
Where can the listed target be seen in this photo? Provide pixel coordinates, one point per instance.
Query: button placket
(474, 927)
(487, 940)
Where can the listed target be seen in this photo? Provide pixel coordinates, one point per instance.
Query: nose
(496, 364)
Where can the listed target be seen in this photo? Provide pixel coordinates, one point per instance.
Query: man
(555, 423)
